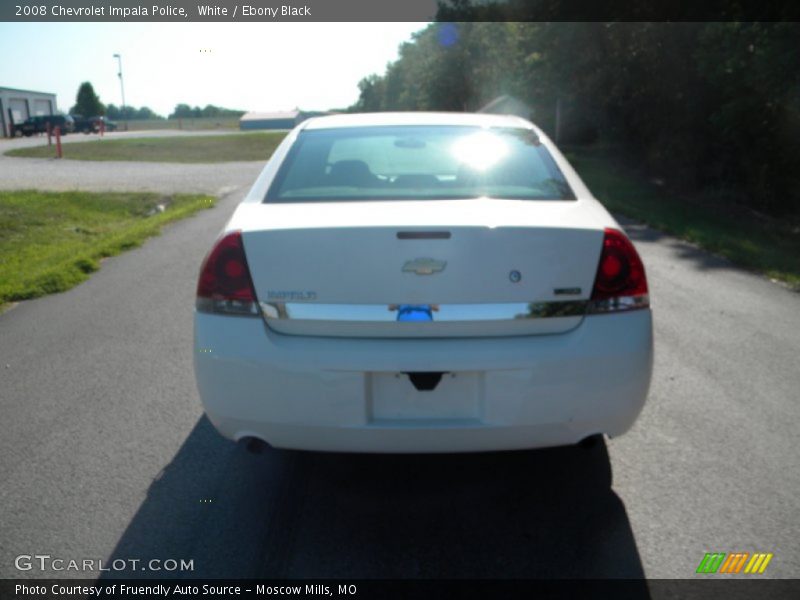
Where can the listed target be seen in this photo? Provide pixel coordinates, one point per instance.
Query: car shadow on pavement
(545, 513)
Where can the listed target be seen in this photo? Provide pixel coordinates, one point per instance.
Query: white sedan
(421, 282)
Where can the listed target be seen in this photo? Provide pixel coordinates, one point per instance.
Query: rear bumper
(351, 395)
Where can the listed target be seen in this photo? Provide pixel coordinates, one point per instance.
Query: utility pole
(121, 87)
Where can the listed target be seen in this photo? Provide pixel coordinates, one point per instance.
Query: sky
(247, 66)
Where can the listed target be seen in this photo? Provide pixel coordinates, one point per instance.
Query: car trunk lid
(421, 268)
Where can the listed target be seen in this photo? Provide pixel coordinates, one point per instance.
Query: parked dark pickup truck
(38, 124)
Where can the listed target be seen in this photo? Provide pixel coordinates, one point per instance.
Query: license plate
(392, 396)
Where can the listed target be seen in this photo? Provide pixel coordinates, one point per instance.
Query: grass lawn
(51, 241)
(179, 149)
(763, 244)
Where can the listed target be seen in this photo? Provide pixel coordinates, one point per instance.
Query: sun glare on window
(480, 151)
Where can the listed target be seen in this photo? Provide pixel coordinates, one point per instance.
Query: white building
(283, 120)
(17, 105)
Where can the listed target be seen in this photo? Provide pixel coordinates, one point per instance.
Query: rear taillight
(620, 283)
(225, 285)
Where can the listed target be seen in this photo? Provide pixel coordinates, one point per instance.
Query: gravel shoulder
(60, 175)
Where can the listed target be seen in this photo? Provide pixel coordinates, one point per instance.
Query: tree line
(88, 104)
(707, 106)
(184, 111)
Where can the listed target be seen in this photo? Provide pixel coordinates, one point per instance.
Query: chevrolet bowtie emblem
(424, 266)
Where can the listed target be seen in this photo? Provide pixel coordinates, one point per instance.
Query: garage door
(19, 109)
(42, 107)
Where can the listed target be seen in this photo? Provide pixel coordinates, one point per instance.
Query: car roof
(387, 119)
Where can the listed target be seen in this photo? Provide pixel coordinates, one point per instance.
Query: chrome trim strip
(385, 313)
(226, 307)
(620, 303)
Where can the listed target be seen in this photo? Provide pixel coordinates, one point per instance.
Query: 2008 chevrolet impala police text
(420, 282)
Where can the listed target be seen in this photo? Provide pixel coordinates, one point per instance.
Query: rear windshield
(418, 163)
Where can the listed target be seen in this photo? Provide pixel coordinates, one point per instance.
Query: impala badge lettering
(424, 266)
(291, 295)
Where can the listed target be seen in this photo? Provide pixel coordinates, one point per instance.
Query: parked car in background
(83, 124)
(38, 124)
(109, 125)
(421, 282)
(93, 124)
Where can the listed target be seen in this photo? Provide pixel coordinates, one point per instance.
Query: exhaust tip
(255, 445)
(591, 441)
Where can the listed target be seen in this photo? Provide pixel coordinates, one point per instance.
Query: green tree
(182, 111)
(371, 94)
(146, 113)
(704, 106)
(87, 103)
